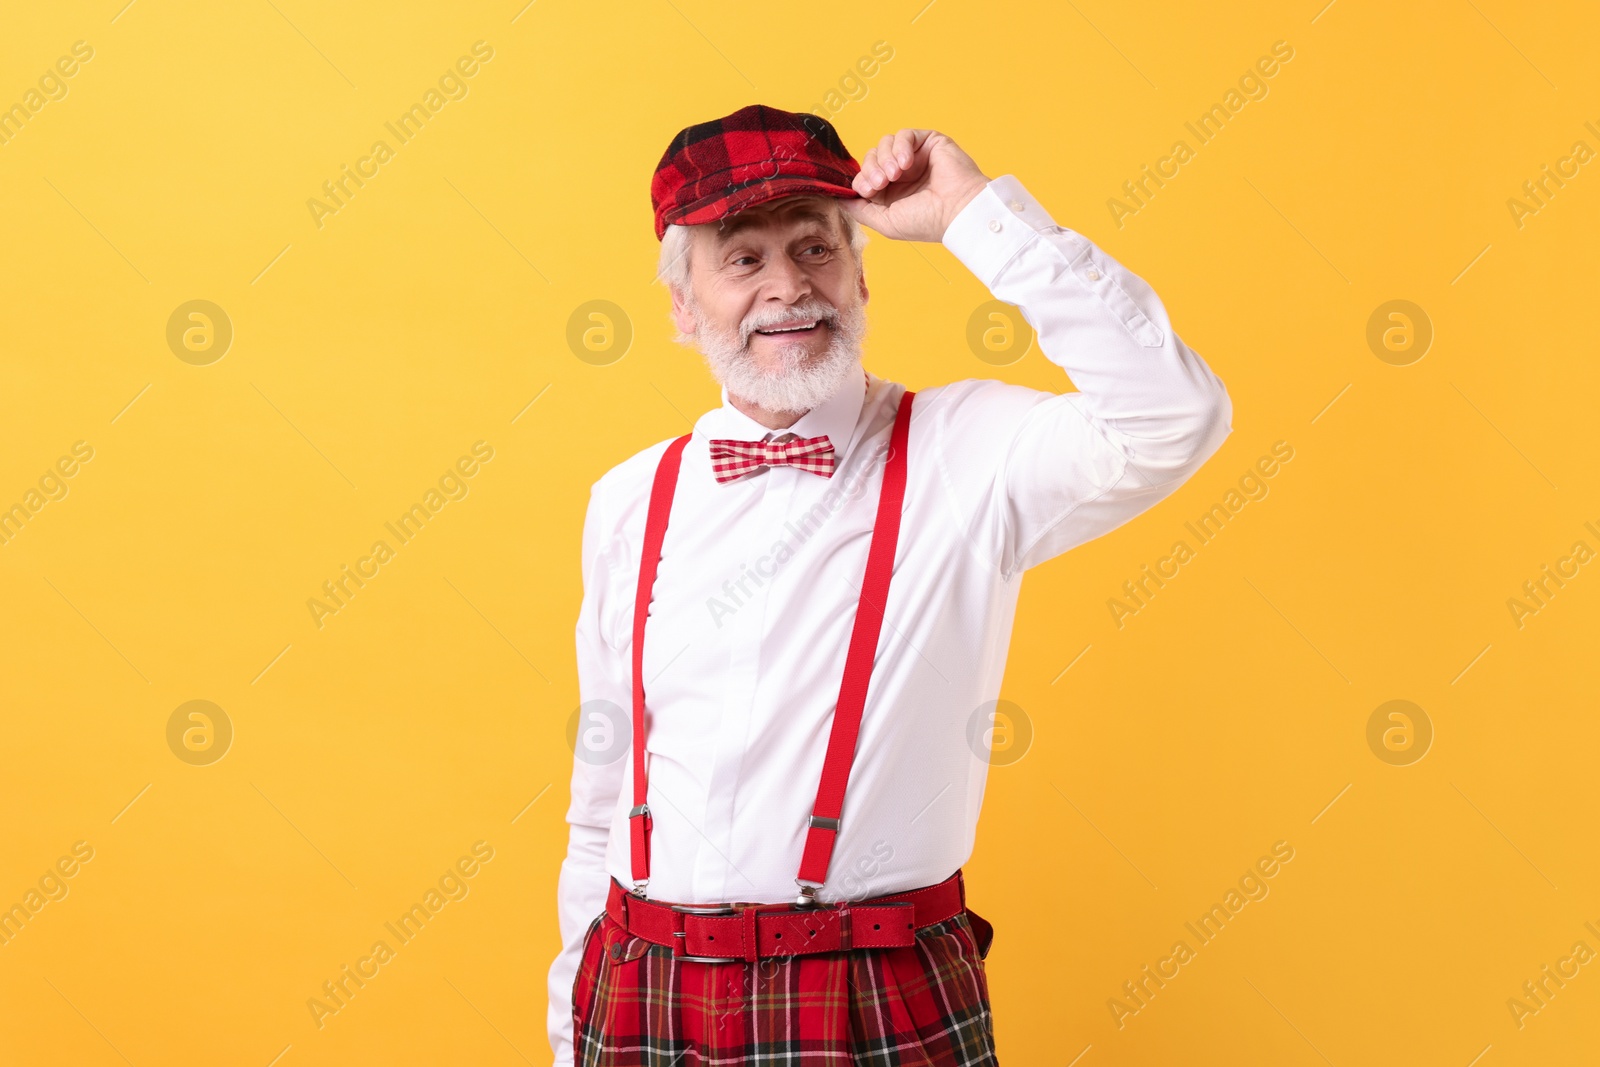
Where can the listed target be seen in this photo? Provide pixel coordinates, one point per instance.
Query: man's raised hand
(913, 184)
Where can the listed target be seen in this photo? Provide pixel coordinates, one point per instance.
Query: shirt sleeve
(1031, 474)
(599, 760)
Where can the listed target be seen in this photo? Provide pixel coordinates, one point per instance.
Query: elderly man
(806, 604)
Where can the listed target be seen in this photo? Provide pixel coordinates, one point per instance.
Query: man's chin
(787, 358)
(813, 382)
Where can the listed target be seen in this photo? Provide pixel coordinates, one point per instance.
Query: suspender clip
(808, 894)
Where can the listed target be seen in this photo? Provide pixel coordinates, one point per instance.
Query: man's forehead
(774, 213)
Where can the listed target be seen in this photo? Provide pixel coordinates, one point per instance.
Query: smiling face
(776, 303)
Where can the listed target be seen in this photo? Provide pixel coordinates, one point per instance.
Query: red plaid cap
(714, 169)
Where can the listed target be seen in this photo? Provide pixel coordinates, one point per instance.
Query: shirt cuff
(994, 226)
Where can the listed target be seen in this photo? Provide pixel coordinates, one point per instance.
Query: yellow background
(430, 712)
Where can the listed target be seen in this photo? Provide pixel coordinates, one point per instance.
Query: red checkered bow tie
(735, 459)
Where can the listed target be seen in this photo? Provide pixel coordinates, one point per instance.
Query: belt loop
(680, 936)
(844, 928)
(961, 884)
(751, 944)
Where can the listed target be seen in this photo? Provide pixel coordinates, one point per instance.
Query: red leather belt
(718, 933)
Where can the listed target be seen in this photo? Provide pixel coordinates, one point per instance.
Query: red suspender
(655, 528)
(824, 823)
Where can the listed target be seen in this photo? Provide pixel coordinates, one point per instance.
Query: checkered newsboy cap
(717, 168)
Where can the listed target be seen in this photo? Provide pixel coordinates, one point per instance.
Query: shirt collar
(836, 417)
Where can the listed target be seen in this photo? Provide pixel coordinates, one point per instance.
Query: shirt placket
(716, 867)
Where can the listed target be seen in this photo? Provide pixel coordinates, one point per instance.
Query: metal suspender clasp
(633, 813)
(807, 897)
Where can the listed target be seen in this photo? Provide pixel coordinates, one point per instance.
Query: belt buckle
(702, 909)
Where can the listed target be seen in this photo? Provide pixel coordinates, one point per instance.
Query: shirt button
(994, 224)
(1093, 275)
(616, 951)
(1016, 205)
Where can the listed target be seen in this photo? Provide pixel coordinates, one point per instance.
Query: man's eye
(819, 248)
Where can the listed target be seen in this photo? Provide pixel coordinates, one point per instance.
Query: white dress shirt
(759, 578)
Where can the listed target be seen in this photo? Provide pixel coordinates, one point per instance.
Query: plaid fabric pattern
(923, 1005)
(732, 459)
(756, 154)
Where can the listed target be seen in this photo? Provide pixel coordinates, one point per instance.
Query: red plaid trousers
(922, 1005)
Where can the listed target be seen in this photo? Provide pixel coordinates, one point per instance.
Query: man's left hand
(914, 183)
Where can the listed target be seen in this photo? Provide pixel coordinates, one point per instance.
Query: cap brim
(720, 206)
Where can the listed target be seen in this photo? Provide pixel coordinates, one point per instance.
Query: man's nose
(787, 281)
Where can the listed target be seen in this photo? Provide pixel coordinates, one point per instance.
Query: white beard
(798, 385)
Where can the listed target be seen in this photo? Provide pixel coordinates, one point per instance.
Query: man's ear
(682, 314)
(861, 284)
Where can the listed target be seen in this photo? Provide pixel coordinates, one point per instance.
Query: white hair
(673, 268)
